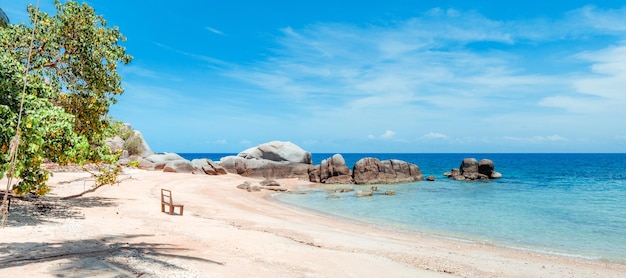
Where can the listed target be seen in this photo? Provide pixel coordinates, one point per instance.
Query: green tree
(71, 82)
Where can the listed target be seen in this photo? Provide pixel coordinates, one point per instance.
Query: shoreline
(438, 236)
(228, 232)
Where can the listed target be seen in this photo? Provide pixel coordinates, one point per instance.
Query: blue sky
(372, 76)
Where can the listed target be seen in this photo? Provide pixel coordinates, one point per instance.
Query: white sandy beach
(120, 231)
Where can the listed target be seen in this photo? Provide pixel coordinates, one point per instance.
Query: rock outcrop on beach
(174, 163)
(134, 148)
(472, 169)
(130, 143)
(179, 166)
(275, 159)
(371, 170)
(368, 170)
(332, 170)
(158, 161)
(277, 151)
(207, 166)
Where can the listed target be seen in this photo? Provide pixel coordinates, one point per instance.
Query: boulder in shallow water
(371, 170)
(343, 179)
(269, 182)
(485, 167)
(472, 169)
(334, 170)
(364, 193)
(469, 166)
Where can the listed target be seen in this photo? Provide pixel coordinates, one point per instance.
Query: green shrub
(126, 133)
(133, 163)
(133, 145)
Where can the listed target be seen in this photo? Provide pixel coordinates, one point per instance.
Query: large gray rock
(207, 166)
(160, 160)
(472, 169)
(264, 168)
(164, 157)
(373, 171)
(332, 170)
(469, 169)
(168, 162)
(115, 144)
(145, 164)
(469, 166)
(178, 166)
(275, 159)
(485, 167)
(129, 140)
(343, 179)
(139, 145)
(278, 151)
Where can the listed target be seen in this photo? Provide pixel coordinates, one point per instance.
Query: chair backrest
(166, 196)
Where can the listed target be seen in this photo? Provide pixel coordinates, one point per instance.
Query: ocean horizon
(571, 204)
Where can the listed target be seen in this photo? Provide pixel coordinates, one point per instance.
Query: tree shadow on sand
(103, 256)
(31, 211)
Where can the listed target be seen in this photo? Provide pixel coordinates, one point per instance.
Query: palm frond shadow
(41, 210)
(89, 257)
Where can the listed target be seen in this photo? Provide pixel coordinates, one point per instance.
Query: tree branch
(91, 190)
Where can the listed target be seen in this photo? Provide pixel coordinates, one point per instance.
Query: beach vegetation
(133, 163)
(58, 78)
(126, 134)
(133, 145)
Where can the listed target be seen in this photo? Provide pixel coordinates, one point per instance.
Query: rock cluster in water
(472, 169)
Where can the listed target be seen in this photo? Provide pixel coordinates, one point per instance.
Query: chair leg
(181, 210)
(171, 210)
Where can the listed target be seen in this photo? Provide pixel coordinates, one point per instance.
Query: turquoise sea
(568, 204)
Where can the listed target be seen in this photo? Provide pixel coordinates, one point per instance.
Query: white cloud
(537, 139)
(387, 135)
(214, 31)
(601, 92)
(212, 61)
(221, 141)
(609, 19)
(434, 135)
